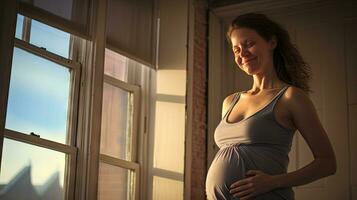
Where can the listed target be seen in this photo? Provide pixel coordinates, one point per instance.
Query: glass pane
(115, 65)
(115, 183)
(19, 26)
(116, 134)
(164, 188)
(31, 172)
(169, 136)
(171, 82)
(38, 97)
(54, 40)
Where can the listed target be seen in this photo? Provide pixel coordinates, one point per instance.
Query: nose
(244, 52)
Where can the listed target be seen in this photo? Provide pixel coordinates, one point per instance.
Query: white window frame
(134, 163)
(152, 171)
(69, 149)
(87, 63)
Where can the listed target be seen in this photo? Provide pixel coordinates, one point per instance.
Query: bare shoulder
(306, 120)
(294, 95)
(226, 103)
(297, 101)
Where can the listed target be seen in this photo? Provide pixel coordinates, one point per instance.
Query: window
(54, 118)
(39, 152)
(119, 166)
(53, 40)
(166, 175)
(39, 96)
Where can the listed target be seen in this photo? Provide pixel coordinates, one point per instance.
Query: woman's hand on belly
(256, 183)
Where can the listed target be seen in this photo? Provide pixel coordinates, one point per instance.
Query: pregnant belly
(232, 163)
(226, 168)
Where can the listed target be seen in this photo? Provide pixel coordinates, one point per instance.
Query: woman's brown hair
(288, 62)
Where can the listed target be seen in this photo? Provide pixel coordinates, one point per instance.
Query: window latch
(33, 134)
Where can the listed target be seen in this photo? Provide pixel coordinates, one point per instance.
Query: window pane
(169, 136)
(38, 97)
(19, 25)
(116, 134)
(54, 40)
(115, 183)
(171, 82)
(164, 188)
(115, 65)
(31, 172)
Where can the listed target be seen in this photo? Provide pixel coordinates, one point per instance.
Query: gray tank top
(261, 127)
(257, 142)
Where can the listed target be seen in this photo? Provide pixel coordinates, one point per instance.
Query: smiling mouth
(248, 61)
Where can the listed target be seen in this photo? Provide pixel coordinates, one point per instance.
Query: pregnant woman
(257, 127)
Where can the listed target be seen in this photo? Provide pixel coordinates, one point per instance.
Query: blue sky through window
(54, 40)
(38, 97)
(38, 102)
(19, 24)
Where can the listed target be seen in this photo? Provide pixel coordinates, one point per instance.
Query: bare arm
(305, 119)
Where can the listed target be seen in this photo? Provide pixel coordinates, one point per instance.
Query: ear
(273, 42)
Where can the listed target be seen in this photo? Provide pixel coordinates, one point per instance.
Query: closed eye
(236, 50)
(246, 45)
(250, 44)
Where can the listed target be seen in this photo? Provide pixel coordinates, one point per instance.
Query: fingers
(249, 187)
(240, 182)
(244, 193)
(241, 188)
(250, 173)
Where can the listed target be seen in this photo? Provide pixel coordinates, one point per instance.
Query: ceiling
(212, 4)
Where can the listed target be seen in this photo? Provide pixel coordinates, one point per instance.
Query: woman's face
(252, 53)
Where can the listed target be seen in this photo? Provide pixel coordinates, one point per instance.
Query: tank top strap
(233, 102)
(277, 97)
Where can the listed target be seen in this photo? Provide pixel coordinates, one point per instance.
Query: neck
(266, 81)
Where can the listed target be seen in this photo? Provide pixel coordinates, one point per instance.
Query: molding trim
(228, 12)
